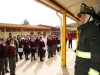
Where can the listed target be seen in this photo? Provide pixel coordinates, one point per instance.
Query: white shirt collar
(12, 45)
(32, 40)
(3, 44)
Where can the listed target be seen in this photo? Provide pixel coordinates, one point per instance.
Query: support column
(4, 32)
(34, 32)
(22, 31)
(49, 32)
(77, 36)
(42, 31)
(63, 42)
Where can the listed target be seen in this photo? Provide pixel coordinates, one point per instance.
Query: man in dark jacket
(88, 50)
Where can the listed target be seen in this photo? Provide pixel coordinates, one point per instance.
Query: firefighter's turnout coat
(88, 50)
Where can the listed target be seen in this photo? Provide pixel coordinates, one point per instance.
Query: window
(28, 29)
(24, 30)
(1, 29)
(32, 33)
(18, 30)
(32, 30)
(38, 32)
(13, 29)
(8, 29)
(44, 32)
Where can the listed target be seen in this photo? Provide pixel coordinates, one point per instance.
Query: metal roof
(71, 6)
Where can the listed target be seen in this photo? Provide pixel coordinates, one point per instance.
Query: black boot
(7, 71)
(34, 59)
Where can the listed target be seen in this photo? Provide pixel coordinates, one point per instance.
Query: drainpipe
(63, 37)
(60, 21)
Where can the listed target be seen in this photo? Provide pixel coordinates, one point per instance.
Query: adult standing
(70, 38)
(88, 49)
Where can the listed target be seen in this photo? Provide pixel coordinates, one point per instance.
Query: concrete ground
(50, 66)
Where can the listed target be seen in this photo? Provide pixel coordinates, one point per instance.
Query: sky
(15, 11)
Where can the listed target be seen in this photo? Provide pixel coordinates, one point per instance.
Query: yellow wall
(22, 32)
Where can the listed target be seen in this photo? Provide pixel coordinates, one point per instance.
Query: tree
(25, 22)
(71, 25)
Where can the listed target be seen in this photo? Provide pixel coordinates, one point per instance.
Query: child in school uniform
(26, 45)
(11, 53)
(41, 48)
(3, 56)
(50, 46)
(58, 43)
(20, 49)
(33, 48)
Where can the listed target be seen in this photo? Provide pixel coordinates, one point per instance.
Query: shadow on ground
(63, 71)
(38, 67)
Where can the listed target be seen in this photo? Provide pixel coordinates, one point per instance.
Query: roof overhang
(71, 6)
(5, 25)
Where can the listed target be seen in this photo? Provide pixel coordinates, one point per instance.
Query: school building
(7, 30)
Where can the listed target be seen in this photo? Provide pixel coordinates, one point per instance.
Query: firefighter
(88, 49)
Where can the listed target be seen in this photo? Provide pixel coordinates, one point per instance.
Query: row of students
(27, 45)
(7, 54)
(33, 45)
